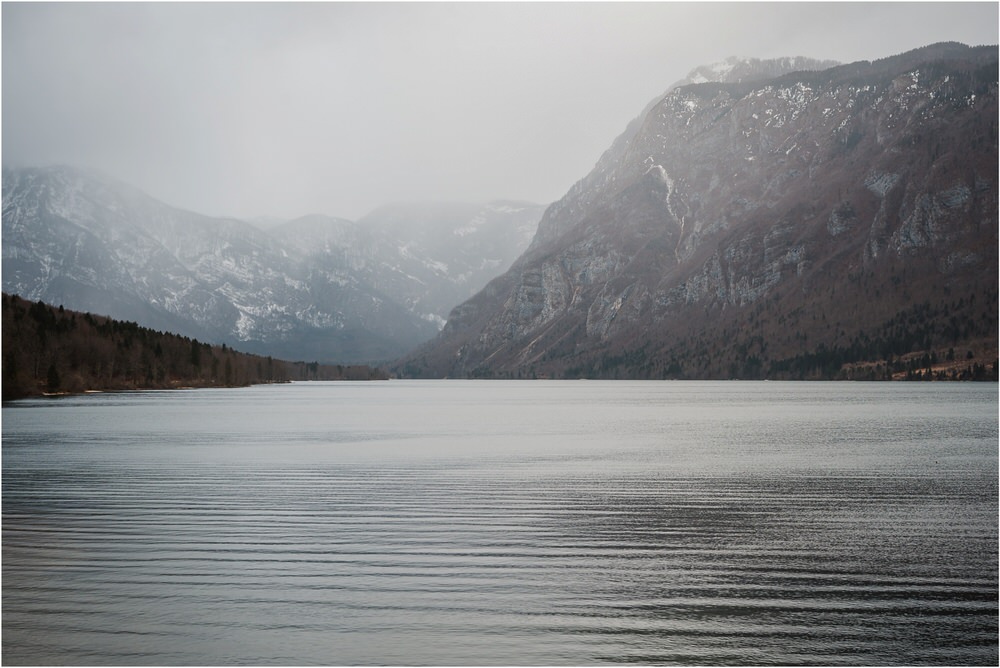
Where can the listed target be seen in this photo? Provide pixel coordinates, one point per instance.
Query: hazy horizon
(282, 110)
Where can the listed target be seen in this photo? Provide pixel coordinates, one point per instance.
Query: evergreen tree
(53, 381)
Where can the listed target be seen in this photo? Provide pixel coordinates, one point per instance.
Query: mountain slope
(429, 256)
(80, 239)
(752, 228)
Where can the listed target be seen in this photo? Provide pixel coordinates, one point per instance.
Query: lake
(504, 523)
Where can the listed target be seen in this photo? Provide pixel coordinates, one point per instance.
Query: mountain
(429, 256)
(300, 290)
(808, 222)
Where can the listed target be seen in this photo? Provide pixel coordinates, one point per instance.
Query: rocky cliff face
(317, 288)
(738, 227)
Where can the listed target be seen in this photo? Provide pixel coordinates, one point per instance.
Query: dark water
(454, 522)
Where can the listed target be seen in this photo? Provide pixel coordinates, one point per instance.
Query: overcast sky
(287, 109)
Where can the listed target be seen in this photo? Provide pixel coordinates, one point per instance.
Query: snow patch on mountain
(78, 238)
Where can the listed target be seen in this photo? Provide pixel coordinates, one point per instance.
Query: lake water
(513, 523)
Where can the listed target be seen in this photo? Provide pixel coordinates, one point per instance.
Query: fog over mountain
(288, 109)
(233, 171)
(315, 288)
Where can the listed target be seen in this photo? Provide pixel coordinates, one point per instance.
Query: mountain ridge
(732, 70)
(732, 204)
(93, 243)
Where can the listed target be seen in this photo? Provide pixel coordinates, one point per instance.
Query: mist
(287, 109)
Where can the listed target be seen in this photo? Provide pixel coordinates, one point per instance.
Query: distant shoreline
(127, 390)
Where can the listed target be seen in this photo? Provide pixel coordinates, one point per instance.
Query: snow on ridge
(433, 265)
(434, 318)
(230, 280)
(472, 226)
(724, 67)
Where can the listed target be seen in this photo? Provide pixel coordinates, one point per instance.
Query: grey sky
(286, 109)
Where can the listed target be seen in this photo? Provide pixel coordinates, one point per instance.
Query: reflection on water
(508, 523)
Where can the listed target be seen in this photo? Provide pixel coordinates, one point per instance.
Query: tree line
(52, 350)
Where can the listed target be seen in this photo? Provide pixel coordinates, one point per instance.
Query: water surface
(514, 523)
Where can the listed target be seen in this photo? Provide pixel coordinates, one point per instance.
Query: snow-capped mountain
(755, 225)
(604, 176)
(314, 288)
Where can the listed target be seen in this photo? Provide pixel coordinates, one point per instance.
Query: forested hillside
(50, 349)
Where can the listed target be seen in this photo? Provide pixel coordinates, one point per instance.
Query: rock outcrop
(743, 227)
